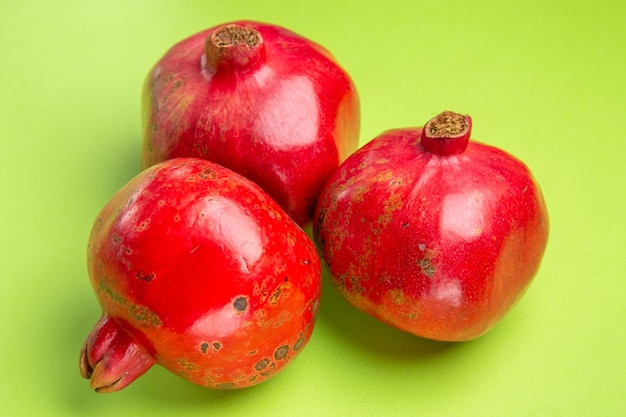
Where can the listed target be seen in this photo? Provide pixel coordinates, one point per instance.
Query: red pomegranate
(258, 99)
(199, 270)
(432, 233)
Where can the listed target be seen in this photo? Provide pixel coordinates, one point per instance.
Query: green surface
(545, 81)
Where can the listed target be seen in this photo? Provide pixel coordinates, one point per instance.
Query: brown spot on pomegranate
(240, 304)
(262, 364)
(144, 315)
(217, 346)
(426, 261)
(188, 365)
(281, 352)
(204, 346)
(275, 296)
(226, 385)
(299, 342)
(426, 267)
(145, 277)
(207, 174)
(117, 239)
(397, 296)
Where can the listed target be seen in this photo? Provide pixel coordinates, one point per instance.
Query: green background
(545, 81)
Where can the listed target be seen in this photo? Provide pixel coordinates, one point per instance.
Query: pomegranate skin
(440, 243)
(266, 103)
(199, 270)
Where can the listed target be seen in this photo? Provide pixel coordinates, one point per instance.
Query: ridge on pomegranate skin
(258, 99)
(430, 232)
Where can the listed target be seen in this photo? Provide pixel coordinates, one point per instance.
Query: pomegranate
(432, 233)
(199, 270)
(258, 99)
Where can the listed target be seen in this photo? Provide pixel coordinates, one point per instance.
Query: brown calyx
(447, 124)
(231, 35)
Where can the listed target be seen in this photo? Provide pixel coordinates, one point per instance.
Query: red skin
(198, 270)
(282, 113)
(440, 243)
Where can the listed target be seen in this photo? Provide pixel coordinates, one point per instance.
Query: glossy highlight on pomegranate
(197, 269)
(431, 232)
(258, 99)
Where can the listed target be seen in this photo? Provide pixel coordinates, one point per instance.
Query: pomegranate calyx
(229, 35)
(233, 47)
(112, 358)
(447, 133)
